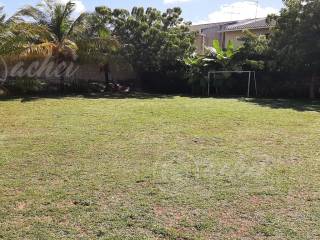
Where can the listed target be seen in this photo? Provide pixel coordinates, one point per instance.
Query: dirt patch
(169, 215)
(21, 206)
(238, 226)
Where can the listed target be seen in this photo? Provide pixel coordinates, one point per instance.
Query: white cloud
(238, 11)
(175, 1)
(80, 8)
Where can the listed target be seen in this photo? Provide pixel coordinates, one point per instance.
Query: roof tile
(249, 24)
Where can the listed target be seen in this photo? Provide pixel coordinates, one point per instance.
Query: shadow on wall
(298, 105)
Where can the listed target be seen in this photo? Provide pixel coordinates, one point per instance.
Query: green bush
(25, 85)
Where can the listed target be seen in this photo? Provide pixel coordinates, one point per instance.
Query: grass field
(159, 168)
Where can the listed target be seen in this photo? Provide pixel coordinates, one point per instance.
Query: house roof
(235, 25)
(200, 27)
(249, 24)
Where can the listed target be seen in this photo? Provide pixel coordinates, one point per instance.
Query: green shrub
(25, 85)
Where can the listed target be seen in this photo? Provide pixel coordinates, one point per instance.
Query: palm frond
(50, 31)
(10, 43)
(97, 49)
(61, 22)
(2, 16)
(32, 32)
(30, 12)
(47, 5)
(102, 45)
(69, 8)
(23, 39)
(42, 49)
(78, 25)
(68, 51)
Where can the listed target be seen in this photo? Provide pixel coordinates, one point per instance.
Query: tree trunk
(138, 82)
(62, 84)
(106, 76)
(60, 60)
(312, 87)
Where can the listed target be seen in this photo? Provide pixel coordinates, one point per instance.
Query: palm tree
(103, 45)
(3, 30)
(8, 39)
(4, 37)
(56, 30)
(2, 16)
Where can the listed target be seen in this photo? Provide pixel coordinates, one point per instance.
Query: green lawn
(159, 168)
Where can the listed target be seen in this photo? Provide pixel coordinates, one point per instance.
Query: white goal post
(251, 74)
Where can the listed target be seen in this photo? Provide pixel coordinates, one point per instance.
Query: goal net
(240, 83)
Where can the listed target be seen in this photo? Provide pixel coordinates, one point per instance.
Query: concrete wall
(89, 72)
(206, 36)
(200, 43)
(86, 72)
(214, 33)
(94, 72)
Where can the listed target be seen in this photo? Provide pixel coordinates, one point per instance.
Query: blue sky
(198, 11)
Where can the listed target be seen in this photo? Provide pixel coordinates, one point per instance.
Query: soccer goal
(213, 81)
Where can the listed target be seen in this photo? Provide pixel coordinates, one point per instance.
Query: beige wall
(93, 72)
(200, 43)
(89, 72)
(235, 36)
(202, 40)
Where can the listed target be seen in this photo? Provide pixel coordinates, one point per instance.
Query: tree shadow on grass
(135, 95)
(297, 105)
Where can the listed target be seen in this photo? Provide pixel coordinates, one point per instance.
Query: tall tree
(97, 44)
(10, 39)
(296, 39)
(4, 31)
(57, 30)
(152, 41)
(58, 24)
(215, 58)
(254, 53)
(2, 16)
